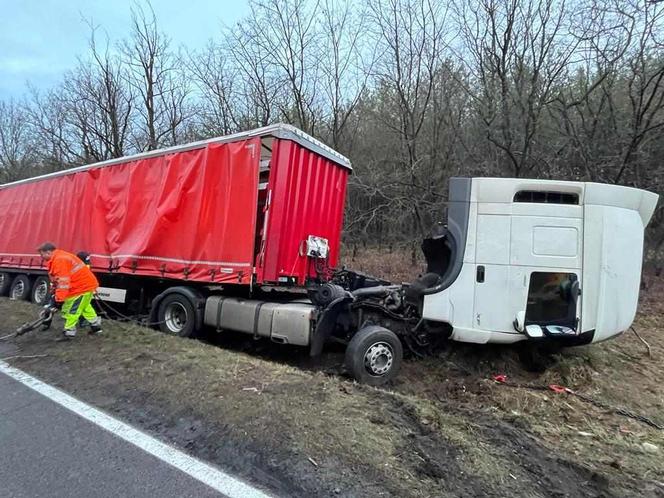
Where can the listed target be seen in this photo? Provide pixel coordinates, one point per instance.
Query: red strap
(559, 389)
(500, 378)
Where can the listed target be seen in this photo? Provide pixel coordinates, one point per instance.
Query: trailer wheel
(374, 355)
(40, 291)
(177, 316)
(5, 283)
(20, 289)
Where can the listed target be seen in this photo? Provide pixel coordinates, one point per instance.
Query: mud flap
(326, 324)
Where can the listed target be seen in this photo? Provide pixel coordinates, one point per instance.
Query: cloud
(22, 65)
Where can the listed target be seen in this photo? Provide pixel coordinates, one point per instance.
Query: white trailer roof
(279, 130)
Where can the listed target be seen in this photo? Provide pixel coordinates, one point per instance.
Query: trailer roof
(279, 130)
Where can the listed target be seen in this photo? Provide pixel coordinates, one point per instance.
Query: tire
(177, 316)
(40, 291)
(374, 355)
(20, 289)
(5, 283)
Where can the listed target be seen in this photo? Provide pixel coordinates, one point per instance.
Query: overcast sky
(40, 39)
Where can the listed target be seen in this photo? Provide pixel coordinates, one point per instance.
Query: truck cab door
(547, 247)
(529, 260)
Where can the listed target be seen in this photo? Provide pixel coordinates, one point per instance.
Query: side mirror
(520, 321)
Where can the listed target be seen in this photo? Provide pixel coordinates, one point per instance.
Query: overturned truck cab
(538, 258)
(519, 260)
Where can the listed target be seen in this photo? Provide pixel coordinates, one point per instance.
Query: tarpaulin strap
(502, 379)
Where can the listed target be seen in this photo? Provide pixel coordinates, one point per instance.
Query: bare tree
(65, 123)
(215, 77)
(155, 76)
(645, 84)
(410, 36)
(101, 86)
(57, 145)
(260, 88)
(519, 53)
(88, 116)
(283, 33)
(17, 147)
(346, 60)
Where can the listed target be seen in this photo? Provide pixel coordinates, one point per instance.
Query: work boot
(95, 327)
(95, 330)
(67, 335)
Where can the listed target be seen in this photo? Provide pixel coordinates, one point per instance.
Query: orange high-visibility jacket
(70, 276)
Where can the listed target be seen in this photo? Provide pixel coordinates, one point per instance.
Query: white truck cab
(529, 259)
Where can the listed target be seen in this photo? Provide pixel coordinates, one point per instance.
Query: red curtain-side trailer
(238, 209)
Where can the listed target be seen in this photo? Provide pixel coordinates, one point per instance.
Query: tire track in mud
(540, 472)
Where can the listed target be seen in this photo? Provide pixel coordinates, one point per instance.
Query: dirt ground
(445, 428)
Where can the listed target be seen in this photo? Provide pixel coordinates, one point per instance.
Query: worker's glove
(53, 304)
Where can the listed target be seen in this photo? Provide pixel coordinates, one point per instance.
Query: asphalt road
(48, 451)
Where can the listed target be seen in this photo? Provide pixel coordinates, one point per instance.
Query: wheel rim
(378, 358)
(175, 317)
(41, 291)
(18, 290)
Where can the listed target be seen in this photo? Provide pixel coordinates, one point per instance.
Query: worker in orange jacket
(73, 285)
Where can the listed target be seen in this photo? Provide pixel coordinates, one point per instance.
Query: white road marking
(201, 471)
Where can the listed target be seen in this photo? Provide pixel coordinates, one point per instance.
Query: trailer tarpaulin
(187, 215)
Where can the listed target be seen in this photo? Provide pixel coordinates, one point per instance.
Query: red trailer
(249, 208)
(237, 233)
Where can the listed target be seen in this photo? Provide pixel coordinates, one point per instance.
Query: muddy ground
(267, 413)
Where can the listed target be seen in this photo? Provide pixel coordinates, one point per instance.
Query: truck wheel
(20, 289)
(40, 291)
(177, 316)
(374, 355)
(5, 283)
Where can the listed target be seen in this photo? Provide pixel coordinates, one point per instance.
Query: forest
(412, 91)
